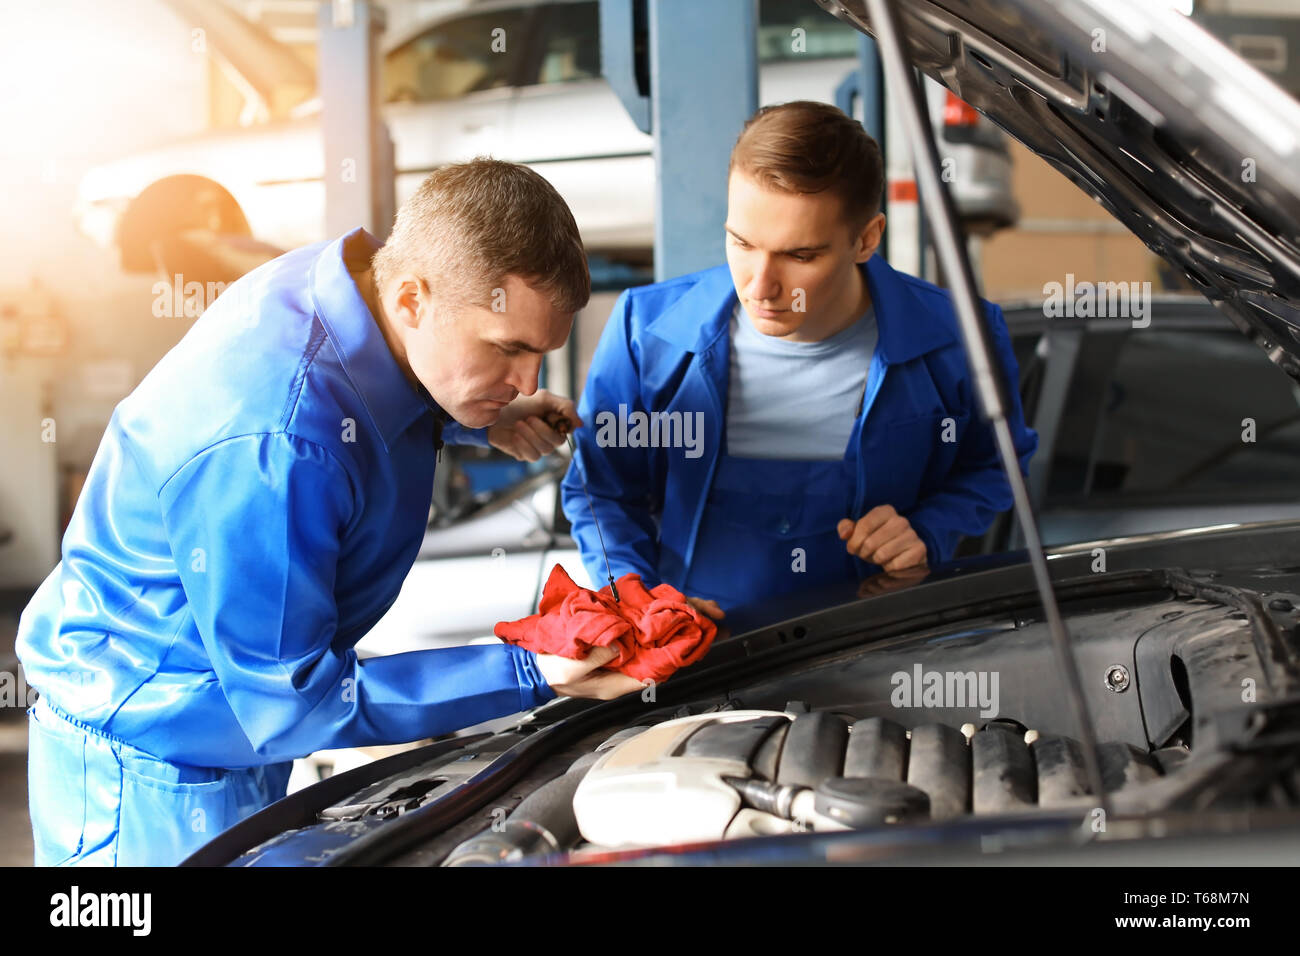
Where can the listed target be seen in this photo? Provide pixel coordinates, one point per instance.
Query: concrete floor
(15, 825)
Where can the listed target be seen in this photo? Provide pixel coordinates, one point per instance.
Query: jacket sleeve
(976, 489)
(619, 479)
(454, 433)
(255, 525)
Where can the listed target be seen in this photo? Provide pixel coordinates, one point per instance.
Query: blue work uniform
(742, 530)
(251, 512)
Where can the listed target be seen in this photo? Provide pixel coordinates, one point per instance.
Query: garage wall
(1061, 230)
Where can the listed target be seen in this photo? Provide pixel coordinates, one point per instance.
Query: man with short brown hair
(835, 429)
(255, 505)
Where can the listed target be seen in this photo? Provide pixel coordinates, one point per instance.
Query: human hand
(884, 537)
(586, 677)
(525, 430)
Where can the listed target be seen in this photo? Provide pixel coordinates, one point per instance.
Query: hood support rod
(955, 263)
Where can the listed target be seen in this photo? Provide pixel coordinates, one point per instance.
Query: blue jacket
(251, 512)
(666, 348)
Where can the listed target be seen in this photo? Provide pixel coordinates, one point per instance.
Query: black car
(927, 716)
(1130, 438)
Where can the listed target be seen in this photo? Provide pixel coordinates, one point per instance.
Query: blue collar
(388, 397)
(908, 326)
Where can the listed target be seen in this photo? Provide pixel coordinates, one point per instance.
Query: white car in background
(449, 98)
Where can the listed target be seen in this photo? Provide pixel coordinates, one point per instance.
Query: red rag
(655, 631)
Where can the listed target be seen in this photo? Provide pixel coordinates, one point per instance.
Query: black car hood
(1191, 148)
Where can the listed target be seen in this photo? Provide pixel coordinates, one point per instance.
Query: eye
(507, 351)
(801, 257)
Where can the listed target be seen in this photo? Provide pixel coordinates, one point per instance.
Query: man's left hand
(522, 431)
(883, 537)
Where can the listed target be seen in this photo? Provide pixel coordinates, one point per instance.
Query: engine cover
(665, 785)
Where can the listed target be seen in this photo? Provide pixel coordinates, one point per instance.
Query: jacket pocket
(169, 811)
(162, 822)
(56, 789)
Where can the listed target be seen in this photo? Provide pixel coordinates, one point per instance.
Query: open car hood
(1196, 152)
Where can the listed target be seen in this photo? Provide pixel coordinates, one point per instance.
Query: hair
(807, 147)
(469, 225)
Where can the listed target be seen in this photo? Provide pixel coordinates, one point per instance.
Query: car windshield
(1140, 422)
(453, 59)
(795, 30)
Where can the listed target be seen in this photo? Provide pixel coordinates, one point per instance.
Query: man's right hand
(586, 677)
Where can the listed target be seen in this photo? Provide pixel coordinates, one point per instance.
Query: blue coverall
(742, 530)
(251, 512)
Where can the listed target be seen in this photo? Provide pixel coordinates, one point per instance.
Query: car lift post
(702, 86)
(359, 170)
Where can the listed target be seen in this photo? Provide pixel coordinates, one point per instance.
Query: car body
(1200, 634)
(1187, 641)
(449, 97)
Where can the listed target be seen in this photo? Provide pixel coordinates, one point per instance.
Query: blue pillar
(867, 84)
(359, 175)
(871, 86)
(703, 87)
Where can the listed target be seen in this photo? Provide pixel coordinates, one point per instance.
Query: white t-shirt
(795, 400)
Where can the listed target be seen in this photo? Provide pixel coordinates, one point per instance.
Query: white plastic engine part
(642, 793)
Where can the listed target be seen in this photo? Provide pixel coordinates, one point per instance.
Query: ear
(408, 297)
(869, 239)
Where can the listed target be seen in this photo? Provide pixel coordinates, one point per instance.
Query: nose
(763, 284)
(524, 374)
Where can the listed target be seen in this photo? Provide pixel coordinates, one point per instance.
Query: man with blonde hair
(835, 428)
(255, 505)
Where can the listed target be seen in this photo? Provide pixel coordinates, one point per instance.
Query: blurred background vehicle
(1182, 424)
(197, 205)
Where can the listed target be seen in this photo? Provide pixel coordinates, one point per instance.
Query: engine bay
(814, 734)
(875, 738)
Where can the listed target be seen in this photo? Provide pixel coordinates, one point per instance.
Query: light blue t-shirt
(796, 400)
